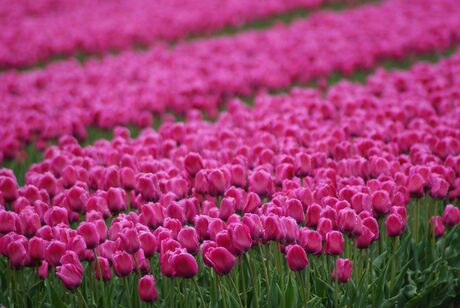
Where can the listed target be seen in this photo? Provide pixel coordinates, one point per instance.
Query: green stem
(82, 298)
(232, 282)
(199, 291)
(128, 293)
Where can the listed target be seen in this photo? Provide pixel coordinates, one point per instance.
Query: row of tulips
(128, 87)
(38, 31)
(263, 273)
(203, 212)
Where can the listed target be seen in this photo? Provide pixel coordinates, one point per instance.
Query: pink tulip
(54, 252)
(146, 288)
(188, 238)
(102, 269)
(130, 240)
(184, 265)
(37, 248)
(220, 259)
(311, 241)
(296, 257)
(394, 225)
(365, 239)
(149, 243)
(451, 215)
(43, 270)
(123, 263)
(334, 243)
(436, 225)
(89, 232)
(70, 275)
(343, 270)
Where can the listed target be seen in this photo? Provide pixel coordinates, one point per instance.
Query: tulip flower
(343, 270)
(296, 257)
(43, 270)
(123, 263)
(89, 232)
(333, 243)
(394, 225)
(436, 225)
(313, 215)
(102, 269)
(220, 259)
(311, 241)
(193, 163)
(240, 236)
(17, 253)
(451, 215)
(188, 238)
(365, 239)
(381, 202)
(70, 275)
(146, 289)
(149, 243)
(37, 248)
(130, 240)
(54, 252)
(184, 264)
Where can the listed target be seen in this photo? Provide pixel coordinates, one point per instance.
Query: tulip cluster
(37, 31)
(128, 88)
(301, 174)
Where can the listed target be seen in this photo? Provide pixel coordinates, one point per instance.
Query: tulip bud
(272, 228)
(116, 199)
(365, 239)
(123, 263)
(217, 182)
(313, 215)
(54, 252)
(102, 269)
(394, 225)
(70, 275)
(193, 163)
(7, 222)
(437, 227)
(261, 183)
(184, 265)
(188, 238)
(334, 243)
(240, 238)
(295, 210)
(381, 202)
(451, 215)
(130, 240)
(149, 243)
(296, 257)
(311, 241)
(227, 208)
(343, 270)
(324, 226)
(43, 270)
(347, 219)
(146, 288)
(220, 259)
(252, 202)
(17, 253)
(89, 232)
(37, 248)
(8, 188)
(56, 215)
(373, 225)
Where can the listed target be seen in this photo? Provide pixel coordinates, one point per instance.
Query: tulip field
(207, 153)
